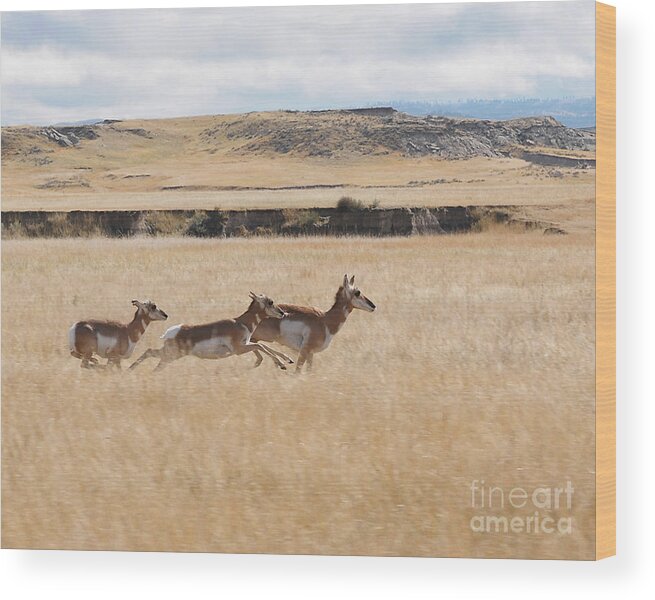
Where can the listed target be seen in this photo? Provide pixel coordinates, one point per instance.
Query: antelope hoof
(282, 367)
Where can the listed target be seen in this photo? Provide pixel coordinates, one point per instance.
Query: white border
(70, 575)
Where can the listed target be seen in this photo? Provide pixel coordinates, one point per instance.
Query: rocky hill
(286, 150)
(339, 134)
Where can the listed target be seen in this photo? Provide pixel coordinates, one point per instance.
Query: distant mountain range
(77, 123)
(579, 113)
(572, 112)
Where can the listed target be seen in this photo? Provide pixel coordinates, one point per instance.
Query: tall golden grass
(478, 364)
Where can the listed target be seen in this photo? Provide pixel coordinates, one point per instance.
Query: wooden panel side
(605, 280)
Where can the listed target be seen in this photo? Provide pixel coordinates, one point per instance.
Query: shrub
(206, 224)
(300, 220)
(13, 230)
(263, 231)
(161, 222)
(85, 225)
(488, 220)
(347, 203)
(242, 231)
(53, 225)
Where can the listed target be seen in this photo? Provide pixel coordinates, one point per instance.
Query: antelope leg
(277, 353)
(254, 347)
(304, 355)
(259, 360)
(149, 353)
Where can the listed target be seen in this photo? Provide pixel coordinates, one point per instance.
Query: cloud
(135, 64)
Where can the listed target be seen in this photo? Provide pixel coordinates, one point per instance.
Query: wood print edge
(605, 281)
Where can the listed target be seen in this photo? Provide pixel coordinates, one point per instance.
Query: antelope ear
(253, 295)
(352, 280)
(345, 280)
(136, 303)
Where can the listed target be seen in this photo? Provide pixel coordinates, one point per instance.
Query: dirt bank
(374, 222)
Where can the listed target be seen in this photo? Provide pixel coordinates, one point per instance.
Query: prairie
(478, 364)
(307, 183)
(292, 160)
(523, 185)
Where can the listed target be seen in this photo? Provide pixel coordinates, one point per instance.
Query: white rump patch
(71, 338)
(171, 332)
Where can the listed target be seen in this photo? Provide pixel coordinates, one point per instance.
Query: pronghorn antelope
(221, 338)
(110, 339)
(310, 330)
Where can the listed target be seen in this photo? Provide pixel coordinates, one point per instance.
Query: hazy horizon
(455, 109)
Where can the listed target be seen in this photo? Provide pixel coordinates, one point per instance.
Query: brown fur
(85, 335)
(238, 331)
(315, 320)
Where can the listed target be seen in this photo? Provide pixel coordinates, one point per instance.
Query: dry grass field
(479, 181)
(519, 184)
(477, 365)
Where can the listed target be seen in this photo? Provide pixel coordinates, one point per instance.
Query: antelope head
(267, 305)
(149, 309)
(354, 296)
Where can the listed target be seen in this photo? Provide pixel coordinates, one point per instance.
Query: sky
(62, 66)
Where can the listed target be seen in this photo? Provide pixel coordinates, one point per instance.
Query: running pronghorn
(310, 330)
(219, 339)
(110, 339)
